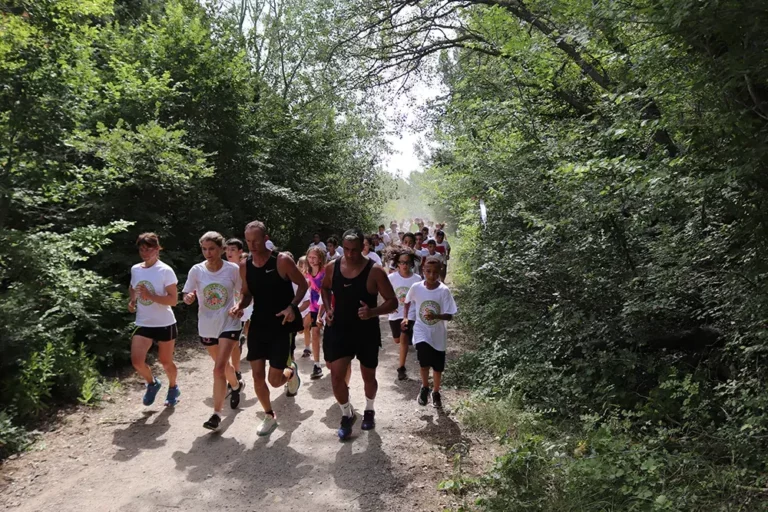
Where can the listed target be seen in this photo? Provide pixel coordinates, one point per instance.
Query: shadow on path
(142, 435)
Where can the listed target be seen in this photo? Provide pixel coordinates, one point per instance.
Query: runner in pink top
(316, 258)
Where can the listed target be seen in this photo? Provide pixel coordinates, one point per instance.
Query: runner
(383, 235)
(215, 282)
(267, 277)
(444, 248)
(152, 294)
(317, 242)
(368, 250)
(303, 267)
(393, 232)
(235, 255)
(334, 251)
(402, 280)
(350, 289)
(409, 240)
(316, 260)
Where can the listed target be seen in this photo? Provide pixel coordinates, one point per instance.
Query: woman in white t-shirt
(214, 283)
(152, 295)
(368, 246)
(402, 279)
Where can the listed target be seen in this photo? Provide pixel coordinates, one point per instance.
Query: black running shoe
(239, 376)
(368, 422)
(234, 396)
(437, 402)
(306, 353)
(345, 430)
(317, 372)
(213, 422)
(423, 396)
(401, 373)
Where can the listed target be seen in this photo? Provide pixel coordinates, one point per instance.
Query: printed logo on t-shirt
(429, 305)
(401, 292)
(215, 296)
(150, 289)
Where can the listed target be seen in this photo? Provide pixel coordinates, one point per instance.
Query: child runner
(410, 241)
(235, 255)
(402, 280)
(316, 260)
(334, 251)
(214, 283)
(152, 294)
(444, 248)
(433, 304)
(383, 235)
(368, 246)
(432, 251)
(306, 319)
(378, 244)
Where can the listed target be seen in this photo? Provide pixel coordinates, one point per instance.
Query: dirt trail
(124, 456)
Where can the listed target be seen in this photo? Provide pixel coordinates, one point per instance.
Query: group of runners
(263, 298)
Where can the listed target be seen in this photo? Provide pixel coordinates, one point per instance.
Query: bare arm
(325, 291)
(288, 269)
(131, 299)
(245, 293)
(384, 288)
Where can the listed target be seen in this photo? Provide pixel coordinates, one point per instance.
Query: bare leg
(165, 356)
(260, 384)
(340, 369)
(425, 377)
(436, 378)
(370, 383)
(307, 332)
(349, 373)
(139, 348)
(316, 345)
(403, 349)
(236, 356)
(277, 378)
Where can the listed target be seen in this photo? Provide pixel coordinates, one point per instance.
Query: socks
(346, 409)
(369, 404)
(217, 413)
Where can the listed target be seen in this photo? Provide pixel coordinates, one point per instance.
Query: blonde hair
(213, 236)
(321, 256)
(303, 265)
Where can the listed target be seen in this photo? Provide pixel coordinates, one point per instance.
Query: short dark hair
(257, 224)
(382, 226)
(432, 259)
(425, 227)
(236, 242)
(354, 235)
(431, 241)
(440, 232)
(409, 234)
(332, 240)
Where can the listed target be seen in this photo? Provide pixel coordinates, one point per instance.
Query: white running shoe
(267, 426)
(292, 387)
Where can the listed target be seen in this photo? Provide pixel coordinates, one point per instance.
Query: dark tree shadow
(142, 435)
(441, 430)
(368, 474)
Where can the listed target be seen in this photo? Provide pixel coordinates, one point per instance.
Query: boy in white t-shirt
(236, 254)
(404, 259)
(153, 293)
(433, 304)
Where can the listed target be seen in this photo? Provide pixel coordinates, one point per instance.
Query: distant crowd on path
(262, 298)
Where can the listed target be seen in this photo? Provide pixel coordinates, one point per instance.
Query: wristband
(296, 311)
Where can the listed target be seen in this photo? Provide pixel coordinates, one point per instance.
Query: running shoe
(306, 353)
(213, 422)
(368, 422)
(234, 397)
(151, 392)
(401, 373)
(268, 425)
(345, 430)
(317, 372)
(172, 398)
(423, 396)
(239, 376)
(437, 402)
(294, 383)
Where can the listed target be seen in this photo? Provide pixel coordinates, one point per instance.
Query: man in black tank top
(267, 278)
(350, 291)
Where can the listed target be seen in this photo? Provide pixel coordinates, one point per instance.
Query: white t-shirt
(338, 254)
(320, 245)
(440, 301)
(375, 257)
(380, 247)
(156, 278)
(305, 299)
(402, 285)
(385, 238)
(215, 297)
(445, 245)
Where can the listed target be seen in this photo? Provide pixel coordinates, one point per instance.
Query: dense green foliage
(621, 149)
(123, 117)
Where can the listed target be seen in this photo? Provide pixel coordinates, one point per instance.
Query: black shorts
(230, 335)
(429, 357)
(397, 330)
(338, 344)
(313, 314)
(158, 334)
(275, 347)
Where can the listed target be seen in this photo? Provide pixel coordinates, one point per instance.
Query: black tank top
(271, 294)
(347, 295)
